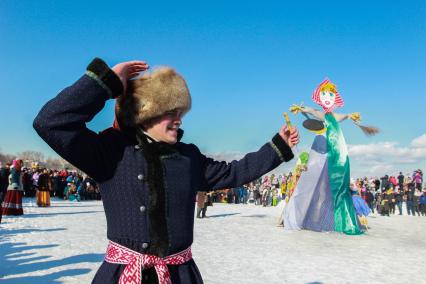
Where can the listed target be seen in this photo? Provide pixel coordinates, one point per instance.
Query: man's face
(327, 98)
(165, 128)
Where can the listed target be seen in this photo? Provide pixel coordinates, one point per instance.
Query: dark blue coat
(148, 191)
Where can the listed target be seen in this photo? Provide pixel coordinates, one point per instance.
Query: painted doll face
(327, 96)
(327, 99)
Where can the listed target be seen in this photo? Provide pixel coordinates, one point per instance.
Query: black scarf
(157, 204)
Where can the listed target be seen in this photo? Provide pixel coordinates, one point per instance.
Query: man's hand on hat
(128, 70)
(290, 135)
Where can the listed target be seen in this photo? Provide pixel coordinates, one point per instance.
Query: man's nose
(178, 119)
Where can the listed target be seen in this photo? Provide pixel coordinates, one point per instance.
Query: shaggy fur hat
(152, 95)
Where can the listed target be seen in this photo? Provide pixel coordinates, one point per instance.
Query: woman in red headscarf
(12, 204)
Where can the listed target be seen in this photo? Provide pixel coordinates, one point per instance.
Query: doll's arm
(314, 112)
(355, 116)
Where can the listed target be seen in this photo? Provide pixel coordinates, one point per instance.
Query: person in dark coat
(369, 198)
(4, 183)
(88, 189)
(423, 202)
(43, 192)
(147, 176)
(410, 199)
(27, 183)
(385, 183)
(399, 198)
(4, 180)
(401, 180)
(201, 204)
(386, 201)
(57, 185)
(376, 184)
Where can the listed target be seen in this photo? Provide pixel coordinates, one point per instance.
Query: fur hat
(152, 95)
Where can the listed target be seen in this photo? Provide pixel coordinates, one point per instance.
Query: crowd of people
(390, 192)
(17, 181)
(385, 195)
(382, 195)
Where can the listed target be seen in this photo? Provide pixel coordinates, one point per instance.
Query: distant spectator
(12, 203)
(43, 193)
(423, 203)
(418, 179)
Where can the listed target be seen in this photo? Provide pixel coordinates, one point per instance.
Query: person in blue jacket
(147, 176)
(423, 202)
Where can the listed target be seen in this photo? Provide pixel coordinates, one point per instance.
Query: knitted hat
(152, 95)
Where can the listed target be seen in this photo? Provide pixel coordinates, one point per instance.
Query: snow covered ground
(236, 244)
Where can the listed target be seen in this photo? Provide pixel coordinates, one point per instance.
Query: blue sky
(245, 64)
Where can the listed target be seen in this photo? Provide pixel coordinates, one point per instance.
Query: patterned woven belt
(136, 261)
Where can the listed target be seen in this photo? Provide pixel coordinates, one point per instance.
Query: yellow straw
(287, 120)
(290, 128)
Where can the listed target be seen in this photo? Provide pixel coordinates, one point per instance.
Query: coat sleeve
(219, 175)
(62, 121)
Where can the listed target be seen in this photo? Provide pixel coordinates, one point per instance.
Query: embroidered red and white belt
(136, 261)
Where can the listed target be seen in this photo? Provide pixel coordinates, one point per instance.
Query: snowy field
(236, 244)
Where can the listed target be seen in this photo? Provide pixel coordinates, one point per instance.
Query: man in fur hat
(148, 178)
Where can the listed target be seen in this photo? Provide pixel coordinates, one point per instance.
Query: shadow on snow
(12, 261)
(222, 215)
(36, 215)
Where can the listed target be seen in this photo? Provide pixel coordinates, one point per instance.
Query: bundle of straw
(368, 130)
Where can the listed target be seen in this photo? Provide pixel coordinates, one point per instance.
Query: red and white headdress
(326, 85)
(15, 162)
